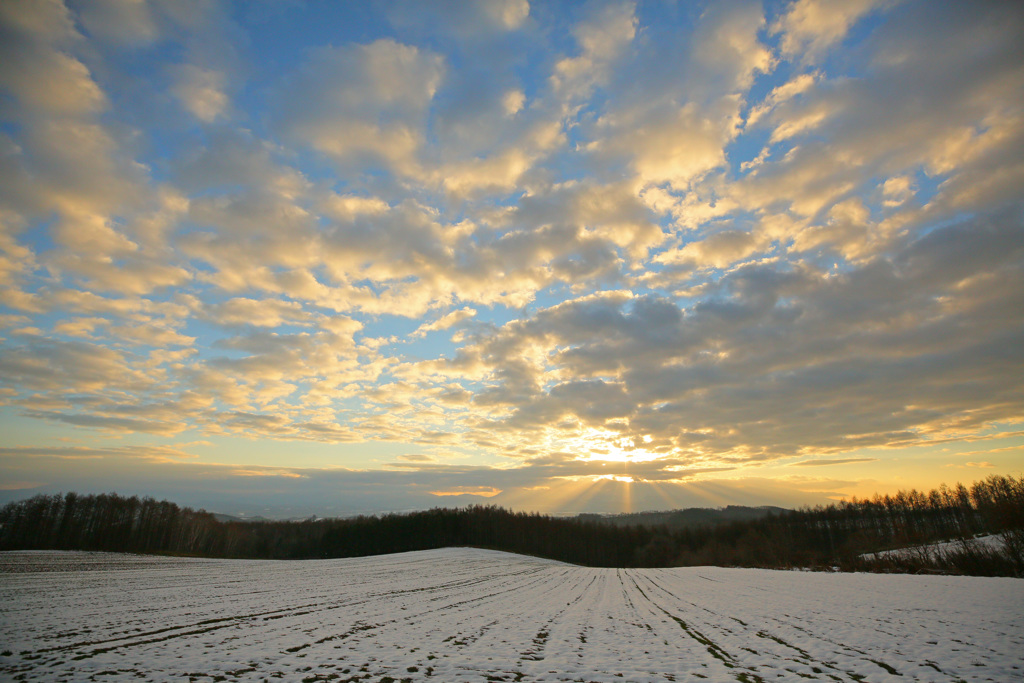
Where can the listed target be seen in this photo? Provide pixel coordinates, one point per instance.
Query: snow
(935, 551)
(474, 615)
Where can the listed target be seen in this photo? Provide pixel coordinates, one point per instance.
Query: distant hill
(221, 517)
(689, 518)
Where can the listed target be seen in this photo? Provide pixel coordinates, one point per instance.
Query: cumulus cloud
(71, 167)
(927, 84)
(508, 13)
(810, 27)
(257, 312)
(36, 68)
(673, 145)
(468, 20)
(201, 91)
(445, 322)
(671, 243)
(652, 362)
(131, 23)
(364, 103)
(727, 48)
(602, 38)
(75, 366)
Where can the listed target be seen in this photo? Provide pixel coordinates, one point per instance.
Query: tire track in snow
(745, 634)
(512, 617)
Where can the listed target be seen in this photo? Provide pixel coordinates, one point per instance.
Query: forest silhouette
(840, 535)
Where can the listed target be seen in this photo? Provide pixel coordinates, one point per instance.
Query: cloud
(484, 491)
(711, 367)
(810, 27)
(915, 109)
(468, 20)
(50, 365)
(602, 37)
(123, 22)
(727, 48)
(284, 492)
(669, 145)
(979, 465)
(512, 101)
(445, 322)
(835, 461)
(36, 70)
(718, 250)
(364, 103)
(508, 13)
(257, 312)
(234, 159)
(416, 457)
(164, 454)
(687, 240)
(787, 91)
(72, 167)
(112, 423)
(201, 91)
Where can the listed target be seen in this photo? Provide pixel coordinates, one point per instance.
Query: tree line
(109, 522)
(845, 534)
(835, 535)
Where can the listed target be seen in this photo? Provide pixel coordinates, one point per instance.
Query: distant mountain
(220, 517)
(14, 495)
(686, 519)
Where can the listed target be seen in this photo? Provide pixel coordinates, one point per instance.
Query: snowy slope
(935, 551)
(475, 615)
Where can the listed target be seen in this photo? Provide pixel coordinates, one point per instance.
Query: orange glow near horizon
(485, 491)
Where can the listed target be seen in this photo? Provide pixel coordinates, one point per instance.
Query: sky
(289, 258)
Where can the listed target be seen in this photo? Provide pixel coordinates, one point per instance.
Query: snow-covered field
(935, 551)
(476, 615)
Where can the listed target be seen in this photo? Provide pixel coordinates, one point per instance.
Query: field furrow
(474, 615)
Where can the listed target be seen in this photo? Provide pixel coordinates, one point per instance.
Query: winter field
(934, 551)
(476, 615)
